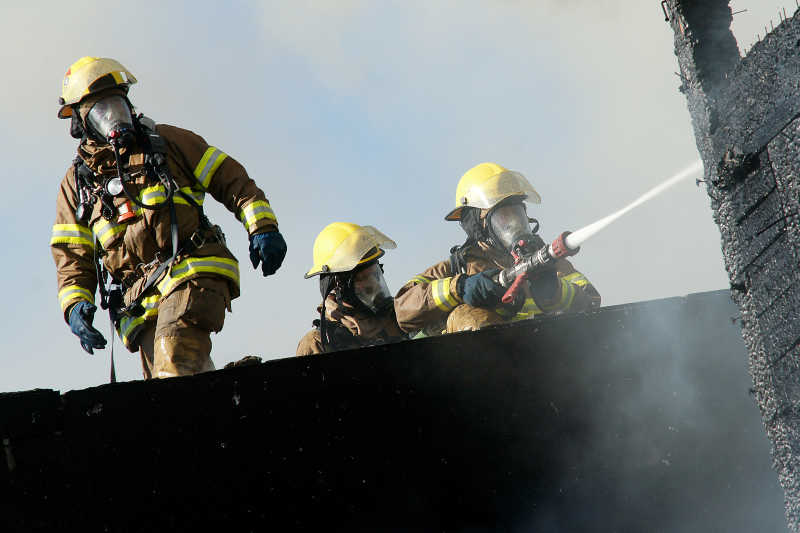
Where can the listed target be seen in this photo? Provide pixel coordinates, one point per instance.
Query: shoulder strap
(458, 264)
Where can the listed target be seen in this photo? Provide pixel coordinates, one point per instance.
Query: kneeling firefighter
(129, 217)
(462, 293)
(357, 308)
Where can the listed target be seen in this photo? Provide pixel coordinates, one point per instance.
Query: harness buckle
(197, 239)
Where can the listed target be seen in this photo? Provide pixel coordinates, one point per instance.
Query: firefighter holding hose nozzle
(503, 272)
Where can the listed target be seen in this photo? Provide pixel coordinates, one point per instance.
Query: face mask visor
(110, 118)
(371, 289)
(509, 224)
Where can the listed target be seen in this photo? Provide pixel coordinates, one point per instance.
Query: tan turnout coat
(425, 301)
(129, 249)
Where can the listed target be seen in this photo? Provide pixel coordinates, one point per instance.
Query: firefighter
(129, 218)
(462, 293)
(357, 308)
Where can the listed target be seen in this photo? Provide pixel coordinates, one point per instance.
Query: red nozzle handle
(560, 249)
(515, 287)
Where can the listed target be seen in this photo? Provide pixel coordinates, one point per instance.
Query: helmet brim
(316, 271)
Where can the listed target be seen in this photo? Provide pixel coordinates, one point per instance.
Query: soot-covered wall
(745, 115)
(632, 418)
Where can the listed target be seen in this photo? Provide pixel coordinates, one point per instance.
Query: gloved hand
(80, 322)
(480, 290)
(269, 249)
(545, 286)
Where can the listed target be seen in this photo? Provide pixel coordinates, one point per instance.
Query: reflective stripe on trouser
(178, 343)
(440, 289)
(208, 165)
(130, 327)
(72, 234)
(191, 266)
(72, 293)
(255, 211)
(467, 318)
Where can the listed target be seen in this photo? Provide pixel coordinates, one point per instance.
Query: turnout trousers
(178, 341)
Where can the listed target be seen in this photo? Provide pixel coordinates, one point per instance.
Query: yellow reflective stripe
(157, 194)
(255, 211)
(70, 293)
(129, 326)
(208, 164)
(566, 300)
(72, 234)
(192, 266)
(106, 230)
(529, 310)
(198, 196)
(576, 278)
(420, 279)
(440, 288)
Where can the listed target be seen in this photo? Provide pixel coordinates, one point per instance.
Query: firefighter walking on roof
(129, 218)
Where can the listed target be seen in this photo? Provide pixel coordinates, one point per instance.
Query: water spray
(568, 243)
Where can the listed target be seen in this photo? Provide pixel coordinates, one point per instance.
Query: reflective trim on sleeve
(70, 293)
(130, 326)
(576, 278)
(106, 230)
(420, 279)
(192, 266)
(440, 288)
(72, 234)
(208, 164)
(255, 211)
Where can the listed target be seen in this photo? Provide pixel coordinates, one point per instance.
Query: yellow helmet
(90, 75)
(342, 246)
(485, 185)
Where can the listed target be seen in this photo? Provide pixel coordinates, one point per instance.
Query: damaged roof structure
(745, 113)
(630, 416)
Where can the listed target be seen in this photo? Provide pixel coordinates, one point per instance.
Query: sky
(365, 112)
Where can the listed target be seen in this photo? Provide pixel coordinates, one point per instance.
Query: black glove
(80, 322)
(480, 290)
(269, 249)
(545, 285)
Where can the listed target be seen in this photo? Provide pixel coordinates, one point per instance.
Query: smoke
(637, 417)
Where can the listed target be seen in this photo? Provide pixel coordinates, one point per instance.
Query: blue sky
(367, 112)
